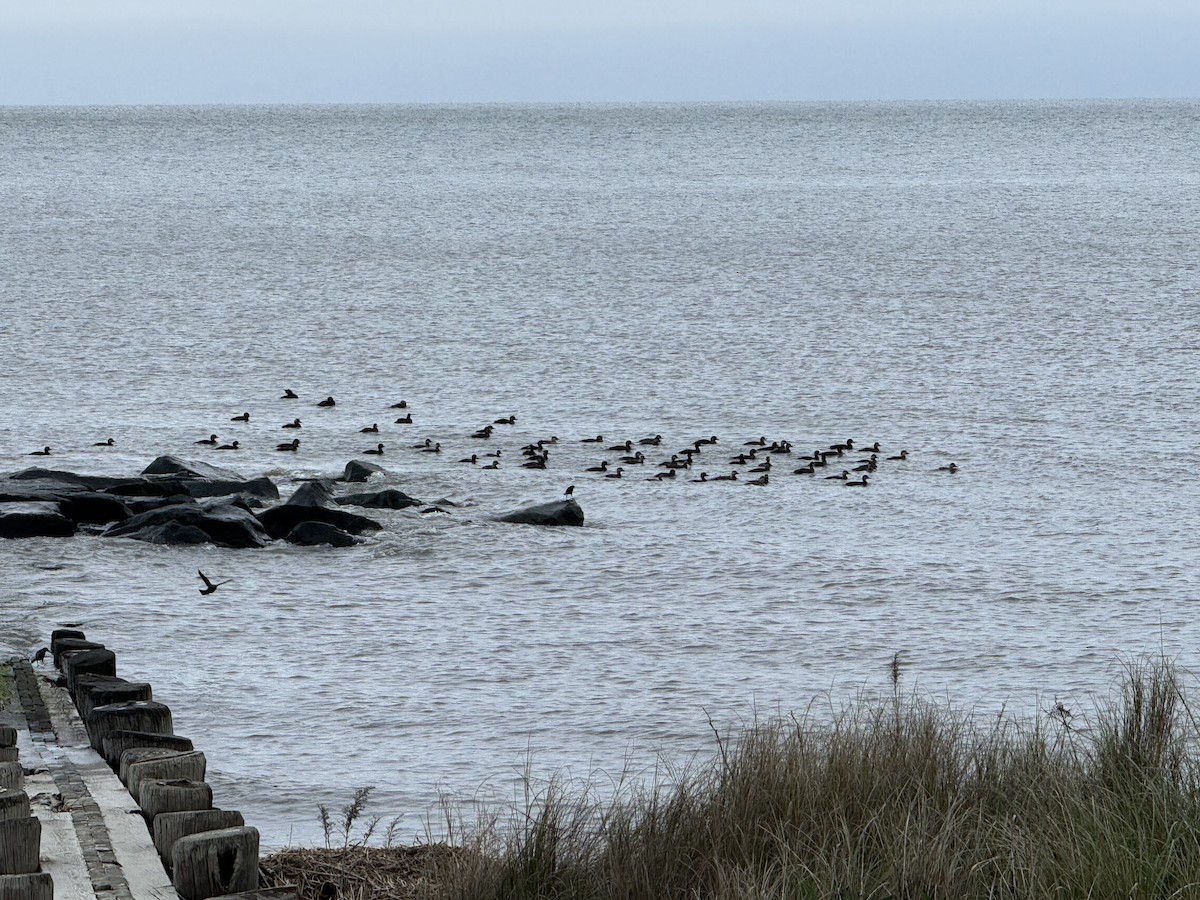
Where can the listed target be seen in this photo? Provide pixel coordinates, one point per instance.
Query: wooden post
(215, 862)
(88, 662)
(176, 767)
(8, 754)
(133, 715)
(64, 634)
(68, 645)
(13, 805)
(140, 754)
(171, 826)
(160, 796)
(91, 691)
(118, 742)
(20, 846)
(8, 736)
(35, 886)
(11, 776)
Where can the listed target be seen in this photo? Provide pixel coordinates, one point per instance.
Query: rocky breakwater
(173, 501)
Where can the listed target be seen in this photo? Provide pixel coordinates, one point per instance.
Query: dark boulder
(262, 488)
(88, 508)
(83, 482)
(560, 512)
(357, 471)
(280, 520)
(174, 534)
(173, 465)
(226, 524)
(386, 499)
(34, 519)
(312, 493)
(149, 487)
(312, 534)
(145, 504)
(81, 505)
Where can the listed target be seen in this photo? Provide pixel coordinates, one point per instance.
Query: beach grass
(899, 797)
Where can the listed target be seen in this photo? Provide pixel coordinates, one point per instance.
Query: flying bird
(210, 586)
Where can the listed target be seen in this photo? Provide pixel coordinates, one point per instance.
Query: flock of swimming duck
(850, 465)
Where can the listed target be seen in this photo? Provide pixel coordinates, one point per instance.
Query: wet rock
(66, 479)
(149, 487)
(145, 504)
(560, 512)
(280, 520)
(262, 488)
(34, 519)
(226, 524)
(357, 471)
(88, 508)
(386, 499)
(312, 534)
(173, 465)
(312, 493)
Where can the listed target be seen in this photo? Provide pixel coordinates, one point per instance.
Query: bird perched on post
(210, 586)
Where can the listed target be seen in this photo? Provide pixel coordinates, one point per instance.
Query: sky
(401, 51)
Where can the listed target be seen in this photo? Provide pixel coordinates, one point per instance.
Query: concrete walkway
(95, 843)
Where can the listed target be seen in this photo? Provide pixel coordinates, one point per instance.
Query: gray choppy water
(1008, 286)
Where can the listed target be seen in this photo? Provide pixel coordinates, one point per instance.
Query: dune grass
(903, 798)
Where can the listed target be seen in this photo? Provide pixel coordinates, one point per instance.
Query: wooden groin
(81, 749)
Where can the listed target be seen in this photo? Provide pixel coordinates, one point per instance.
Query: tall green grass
(902, 798)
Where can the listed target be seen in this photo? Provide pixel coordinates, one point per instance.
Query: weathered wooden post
(215, 863)
(160, 796)
(34, 886)
(20, 846)
(140, 754)
(174, 767)
(118, 742)
(11, 776)
(88, 662)
(69, 645)
(64, 634)
(171, 826)
(133, 715)
(90, 691)
(13, 805)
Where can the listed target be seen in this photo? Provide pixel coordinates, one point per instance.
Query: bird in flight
(210, 586)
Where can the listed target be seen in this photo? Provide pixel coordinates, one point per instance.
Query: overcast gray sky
(295, 51)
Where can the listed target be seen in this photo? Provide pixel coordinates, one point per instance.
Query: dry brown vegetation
(902, 799)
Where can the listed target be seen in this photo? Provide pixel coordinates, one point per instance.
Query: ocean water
(1012, 287)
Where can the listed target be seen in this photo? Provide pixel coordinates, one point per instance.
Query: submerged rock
(386, 499)
(560, 512)
(312, 534)
(357, 471)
